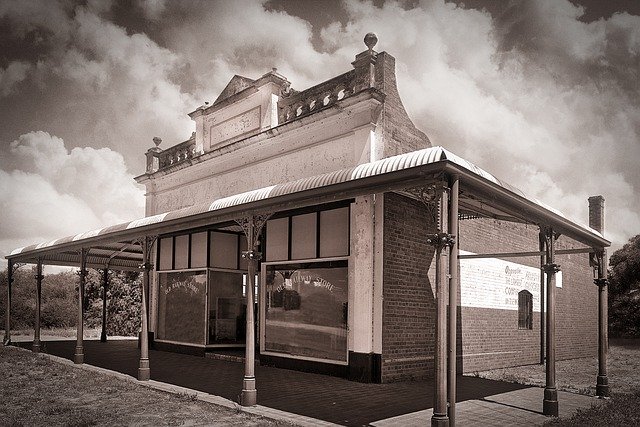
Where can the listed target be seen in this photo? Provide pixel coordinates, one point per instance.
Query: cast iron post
(144, 371)
(78, 356)
(453, 296)
(7, 320)
(441, 241)
(596, 221)
(36, 333)
(252, 227)
(105, 284)
(550, 402)
(542, 299)
(602, 384)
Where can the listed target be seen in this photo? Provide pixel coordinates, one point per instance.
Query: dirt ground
(36, 391)
(579, 375)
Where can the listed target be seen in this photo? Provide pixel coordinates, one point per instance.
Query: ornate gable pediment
(236, 85)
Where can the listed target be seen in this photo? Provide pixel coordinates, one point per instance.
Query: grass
(579, 376)
(87, 333)
(38, 391)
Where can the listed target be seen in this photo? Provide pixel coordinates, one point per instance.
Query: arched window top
(525, 309)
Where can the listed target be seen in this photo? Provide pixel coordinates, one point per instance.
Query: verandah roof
(481, 194)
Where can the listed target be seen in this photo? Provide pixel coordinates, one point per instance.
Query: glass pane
(224, 250)
(227, 308)
(166, 253)
(181, 306)
(199, 250)
(278, 239)
(306, 310)
(303, 236)
(182, 252)
(334, 232)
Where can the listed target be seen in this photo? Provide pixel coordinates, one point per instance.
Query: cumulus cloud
(120, 88)
(12, 75)
(536, 96)
(47, 191)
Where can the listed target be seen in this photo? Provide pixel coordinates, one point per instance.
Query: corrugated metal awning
(482, 194)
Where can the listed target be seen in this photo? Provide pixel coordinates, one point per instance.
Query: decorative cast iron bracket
(39, 276)
(600, 282)
(430, 196)
(441, 240)
(252, 255)
(146, 244)
(84, 253)
(551, 268)
(255, 222)
(15, 267)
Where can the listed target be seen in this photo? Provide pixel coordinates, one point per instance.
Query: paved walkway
(323, 397)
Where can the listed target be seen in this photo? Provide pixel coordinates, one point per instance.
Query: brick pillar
(596, 213)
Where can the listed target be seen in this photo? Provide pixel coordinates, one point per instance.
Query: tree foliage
(624, 290)
(59, 305)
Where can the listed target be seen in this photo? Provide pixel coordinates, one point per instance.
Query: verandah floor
(318, 396)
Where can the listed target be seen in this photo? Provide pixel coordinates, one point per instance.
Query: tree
(60, 300)
(624, 290)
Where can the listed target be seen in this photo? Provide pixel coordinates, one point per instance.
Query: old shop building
(331, 211)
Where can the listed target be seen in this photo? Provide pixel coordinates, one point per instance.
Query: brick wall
(488, 338)
(399, 133)
(408, 322)
(491, 338)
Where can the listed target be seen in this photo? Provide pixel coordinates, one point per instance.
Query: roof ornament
(157, 141)
(370, 41)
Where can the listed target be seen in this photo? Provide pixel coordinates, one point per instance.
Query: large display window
(227, 308)
(305, 310)
(182, 306)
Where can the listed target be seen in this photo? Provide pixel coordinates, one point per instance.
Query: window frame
(525, 310)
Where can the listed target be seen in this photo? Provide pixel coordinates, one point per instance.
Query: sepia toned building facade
(323, 228)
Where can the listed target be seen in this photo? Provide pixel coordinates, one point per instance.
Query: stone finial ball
(157, 141)
(370, 40)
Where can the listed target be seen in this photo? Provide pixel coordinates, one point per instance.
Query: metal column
(105, 284)
(249, 392)
(602, 385)
(36, 333)
(453, 297)
(7, 320)
(542, 300)
(78, 356)
(144, 371)
(550, 402)
(441, 241)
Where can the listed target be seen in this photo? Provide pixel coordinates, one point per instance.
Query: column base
(6, 341)
(602, 387)
(249, 394)
(144, 372)
(439, 420)
(78, 356)
(103, 337)
(35, 347)
(550, 402)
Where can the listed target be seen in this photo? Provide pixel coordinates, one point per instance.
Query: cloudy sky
(544, 94)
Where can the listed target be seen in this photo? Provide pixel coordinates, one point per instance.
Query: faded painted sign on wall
(494, 283)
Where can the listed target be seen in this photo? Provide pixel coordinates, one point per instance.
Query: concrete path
(322, 397)
(515, 408)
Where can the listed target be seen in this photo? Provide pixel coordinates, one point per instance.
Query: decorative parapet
(158, 159)
(295, 105)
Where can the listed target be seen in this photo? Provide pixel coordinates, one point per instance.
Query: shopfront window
(306, 309)
(227, 308)
(181, 306)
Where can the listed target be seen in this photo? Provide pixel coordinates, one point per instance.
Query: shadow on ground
(318, 396)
